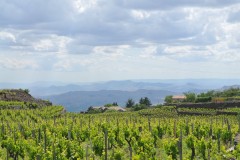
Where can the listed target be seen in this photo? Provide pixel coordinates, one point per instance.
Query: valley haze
(77, 97)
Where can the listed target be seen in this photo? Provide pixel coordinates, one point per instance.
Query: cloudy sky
(99, 40)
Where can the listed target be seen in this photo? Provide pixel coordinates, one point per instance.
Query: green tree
(27, 91)
(207, 94)
(130, 103)
(231, 92)
(145, 101)
(138, 107)
(168, 99)
(108, 105)
(115, 104)
(141, 101)
(190, 97)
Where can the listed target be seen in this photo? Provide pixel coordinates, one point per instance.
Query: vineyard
(159, 133)
(193, 110)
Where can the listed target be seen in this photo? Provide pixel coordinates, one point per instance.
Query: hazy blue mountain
(53, 89)
(174, 86)
(228, 87)
(111, 85)
(80, 100)
(100, 93)
(39, 84)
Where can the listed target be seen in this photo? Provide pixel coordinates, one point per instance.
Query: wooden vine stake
(81, 124)
(187, 130)
(38, 157)
(219, 143)
(45, 141)
(229, 130)
(14, 135)
(89, 122)
(54, 121)
(180, 145)
(53, 152)
(65, 119)
(7, 155)
(3, 129)
(210, 132)
(87, 152)
(127, 122)
(238, 118)
(69, 135)
(175, 129)
(106, 143)
(33, 134)
(149, 124)
(39, 135)
(192, 127)
(117, 123)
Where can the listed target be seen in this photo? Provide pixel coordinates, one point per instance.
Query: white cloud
(52, 43)
(149, 51)
(138, 14)
(82, 5)
(7, 36)
(43, 45)
(17, 64)
(127, 37)
(110, 51)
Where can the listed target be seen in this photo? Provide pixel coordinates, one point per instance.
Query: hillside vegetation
(227, 95)
(18, 98)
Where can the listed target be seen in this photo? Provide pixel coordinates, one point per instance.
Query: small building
(103, 109)
(116, 108)
(178, 98)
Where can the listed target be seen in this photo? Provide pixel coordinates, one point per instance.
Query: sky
(101, 40)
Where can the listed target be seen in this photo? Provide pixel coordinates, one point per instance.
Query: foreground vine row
(50, 133)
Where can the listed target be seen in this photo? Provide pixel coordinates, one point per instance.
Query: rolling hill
(80, 100)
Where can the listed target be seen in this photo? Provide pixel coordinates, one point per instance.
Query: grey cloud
(6, 42)
(32, 42)
(185, 53)
(234, 17)
(77, 48)
(29, 12)
(95, 30)
(108, 23)
(170, 4)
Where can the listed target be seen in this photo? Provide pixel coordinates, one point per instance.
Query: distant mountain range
(113, 85)
(179, 85)
(130, 85)
(228, 87)
(80, 100)
(79, 96)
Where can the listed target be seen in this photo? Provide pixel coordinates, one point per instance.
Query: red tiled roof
(179, 97)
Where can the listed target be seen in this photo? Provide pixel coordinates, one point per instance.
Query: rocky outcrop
(21, 95)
